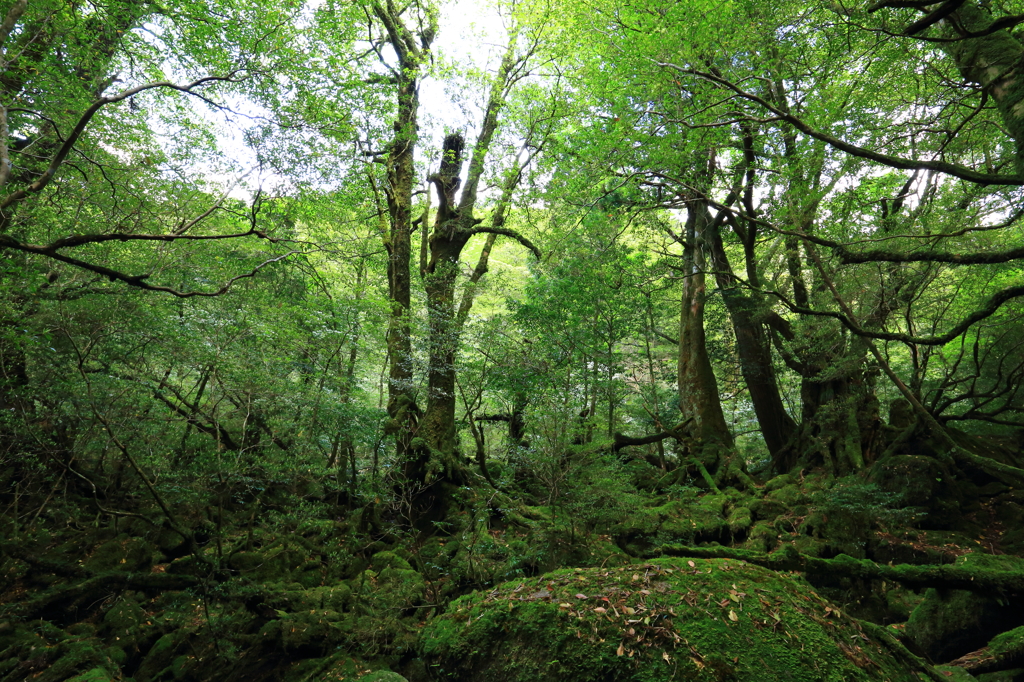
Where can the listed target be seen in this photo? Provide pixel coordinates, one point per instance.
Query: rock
(121, 554)
(951, 623)
(668, 619)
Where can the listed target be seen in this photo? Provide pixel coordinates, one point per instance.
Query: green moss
(1007, 643)
(739, 521)
(121, 554)
(954, 674)
(383, 560)
(669, 619)
(951, 623)
(698, 520)
(383, 676)
(94, 675)
(162, 654)
(1002, 676)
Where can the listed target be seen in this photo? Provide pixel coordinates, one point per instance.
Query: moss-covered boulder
(951, 623)
(669, 619)
(691, 521)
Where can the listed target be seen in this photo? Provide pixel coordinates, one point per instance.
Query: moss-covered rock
(690, 521)
(782, 496)
(383, 676)
(669, 619)
(951, 623)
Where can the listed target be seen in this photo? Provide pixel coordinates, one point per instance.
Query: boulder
(668, 619)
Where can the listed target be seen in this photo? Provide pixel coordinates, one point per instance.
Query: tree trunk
(699, 400)
(992, 61)
(753, 349)
(401, 176)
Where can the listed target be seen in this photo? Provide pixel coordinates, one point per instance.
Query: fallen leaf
(732, 616)
(664, 654)
(621, 650)
(581, 596)
(690, 564)
(600, 609)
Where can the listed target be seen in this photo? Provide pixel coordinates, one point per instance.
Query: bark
(1004, 652)
(699, 400)
(949, 576)
(446, 244)
(753, 349)
(401, 177)
(993, 61)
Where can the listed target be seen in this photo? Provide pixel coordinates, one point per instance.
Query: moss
(162, 654)
(670, 619)
(922, 482)
(1014, 675)
(951, 623)
(954, 674)
(763, 537)
(388, 559)
(779, 499)
(698, 520)
(121, 554)
(739, 521)
(280, 560)
(383, 676)
(306, 634)
(779, 482)
(94, 675)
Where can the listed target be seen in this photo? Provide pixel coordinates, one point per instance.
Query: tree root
(1004, 652)
(103, 583)
(986, 581)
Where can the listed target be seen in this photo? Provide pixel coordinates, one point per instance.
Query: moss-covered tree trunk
(401, 177)
(752, 344)
(992, 61)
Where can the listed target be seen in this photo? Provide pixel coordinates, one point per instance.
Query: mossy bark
(975, 579)
(994, 62)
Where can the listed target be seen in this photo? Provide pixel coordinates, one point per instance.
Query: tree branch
(504, 231)
(957, 171)
(83, 122)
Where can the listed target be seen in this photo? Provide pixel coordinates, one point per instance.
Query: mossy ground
(667, 619)
(298, 590)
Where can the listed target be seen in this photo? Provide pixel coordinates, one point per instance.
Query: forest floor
(803, 577)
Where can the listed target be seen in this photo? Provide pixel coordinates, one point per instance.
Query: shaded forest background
(321, 316)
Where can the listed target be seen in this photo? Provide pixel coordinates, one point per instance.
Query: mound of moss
(669, 619)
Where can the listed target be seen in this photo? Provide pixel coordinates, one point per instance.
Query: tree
(761, 101)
